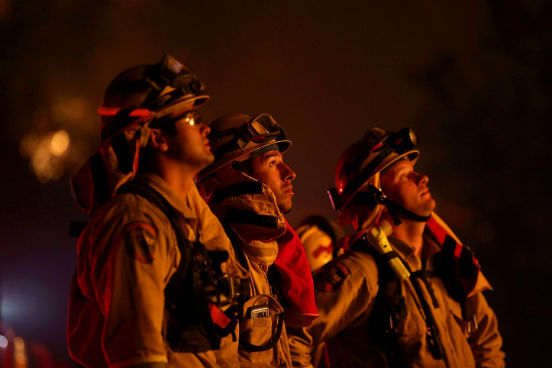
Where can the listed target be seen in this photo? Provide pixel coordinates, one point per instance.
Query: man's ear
(158, 140)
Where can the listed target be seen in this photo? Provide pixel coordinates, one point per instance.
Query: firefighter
(153, 285)
(413, 298)
(249, 187)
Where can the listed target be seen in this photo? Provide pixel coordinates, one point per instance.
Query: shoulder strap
(389, 306)
(189, 322)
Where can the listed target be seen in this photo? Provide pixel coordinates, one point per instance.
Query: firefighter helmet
(235, 137)
(357, 175)
(137, 99)
(150, 94)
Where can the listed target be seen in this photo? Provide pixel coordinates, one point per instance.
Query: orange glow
(59, 143)
(46, 153)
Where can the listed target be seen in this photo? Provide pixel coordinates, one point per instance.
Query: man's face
(408, 188)
(270, 169)
(190, 145)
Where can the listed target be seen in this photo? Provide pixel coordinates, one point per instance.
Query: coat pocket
(261, 323)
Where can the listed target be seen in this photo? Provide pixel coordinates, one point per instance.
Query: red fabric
(219, 318)
(296, 279)
(438, 232)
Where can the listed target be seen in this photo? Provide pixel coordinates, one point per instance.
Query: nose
(422, 179)
(287, 173)
(204, 129)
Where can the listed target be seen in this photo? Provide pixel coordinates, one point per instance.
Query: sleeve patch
(331, 277)
(140, 241)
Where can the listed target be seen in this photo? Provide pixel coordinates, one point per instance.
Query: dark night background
(473, 78)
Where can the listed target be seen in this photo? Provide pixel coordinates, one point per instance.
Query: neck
(179, 176)
(409, 231)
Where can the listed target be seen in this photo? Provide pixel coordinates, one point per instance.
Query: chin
(209, 159)
(285, 207)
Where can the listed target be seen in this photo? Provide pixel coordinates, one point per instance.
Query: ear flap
(113, 164)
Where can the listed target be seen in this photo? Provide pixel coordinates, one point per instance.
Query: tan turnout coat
(345, 296)
(126, 256)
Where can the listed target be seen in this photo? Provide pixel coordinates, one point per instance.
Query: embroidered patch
(331, 276)
(140, 241)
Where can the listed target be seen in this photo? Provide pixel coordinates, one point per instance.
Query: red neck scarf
(296, 279)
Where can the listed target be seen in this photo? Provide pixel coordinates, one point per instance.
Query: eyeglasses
(191, 118)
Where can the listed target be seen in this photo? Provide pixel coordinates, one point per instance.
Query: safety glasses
(260, 129)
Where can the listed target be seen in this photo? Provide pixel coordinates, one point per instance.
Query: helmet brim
(187, 103)
(412, 155)
(241, 155)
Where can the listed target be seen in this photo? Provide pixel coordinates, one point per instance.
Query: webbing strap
(386, 275)
(394, 208)
(173, 291)
(422, 275)
(157, 199)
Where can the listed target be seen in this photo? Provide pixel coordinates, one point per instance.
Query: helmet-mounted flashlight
(169, 72)
(402, 141)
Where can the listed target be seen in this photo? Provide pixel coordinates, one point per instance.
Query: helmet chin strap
(394, 209)
(373, 196)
